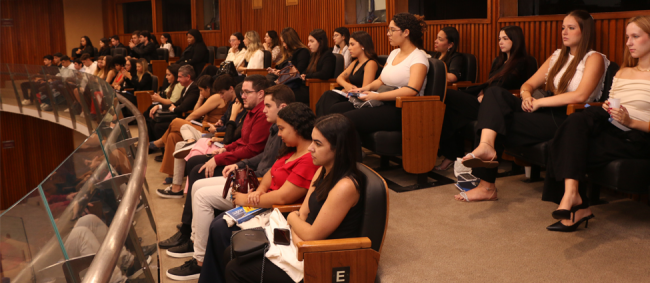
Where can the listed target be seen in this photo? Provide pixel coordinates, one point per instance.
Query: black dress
(462, 106)
(331, 98)
(324, 70)
(455, 64)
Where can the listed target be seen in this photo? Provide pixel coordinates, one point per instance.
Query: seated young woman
(104, 47)
(118, 62)
(361, 72)
(142, 81)
(272, 44)
(130, 68)
(166, 42)
(210, 106)
(573, 74)
(321, 64)
(287, 182)
(174, 90)
(196, 53)
(109, 69)
(99, 71)
(293, 51)
(406, 69)
(512, 68)
(237, 51)
(254, 56)
(446, 46)
(341, 39)
(333, 207)
(85, 47)
(588, 140)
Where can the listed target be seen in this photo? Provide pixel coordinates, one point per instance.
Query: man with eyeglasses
(254, 133)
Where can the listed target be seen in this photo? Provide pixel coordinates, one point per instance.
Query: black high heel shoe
(559, 227)
(563, 214)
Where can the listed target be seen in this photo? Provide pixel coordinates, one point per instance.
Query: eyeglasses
(391, 31)
(247, 92)
(233, 40)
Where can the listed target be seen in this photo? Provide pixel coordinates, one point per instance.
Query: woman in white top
(588, 140)
(341, 39)
(573, 74)
(166, 42)
(272, 43)
(406, 69)
(237, 49)
(254, 56)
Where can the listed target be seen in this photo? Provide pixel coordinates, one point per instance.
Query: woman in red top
(286, 183)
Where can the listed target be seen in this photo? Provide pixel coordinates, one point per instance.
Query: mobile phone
(467, 177)
(282, 236)
(353, 94)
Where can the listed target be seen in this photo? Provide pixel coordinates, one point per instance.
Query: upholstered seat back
(339, 66)
(118, 51)
(211, 52)
(375, 211)
(154, 81)
(222, 52)
(382, 60)
(162, 54)
(609, 79)
(267, 59)
(471, 70)
(177, 51)
(436, 78)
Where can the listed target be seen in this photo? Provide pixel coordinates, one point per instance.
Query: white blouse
(347, 58)
(169, 47)
(236, 57)
(575, 81)
(634, 95)
(399, 75)
(257, 60)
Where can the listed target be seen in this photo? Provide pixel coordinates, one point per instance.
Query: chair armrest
(128, 89)
(262, 72)
(465, 84)
(316, 89)
(332, 245)
(312, 81)
(515, 92)
(571, 108)
(334, 85)
(220, 134)
(400, 100)
(287, 207)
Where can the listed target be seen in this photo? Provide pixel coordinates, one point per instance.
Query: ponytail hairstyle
(588, 29)
(321, 37)
(416, 26)
(518, 53)
(342, 136)
(644, 24)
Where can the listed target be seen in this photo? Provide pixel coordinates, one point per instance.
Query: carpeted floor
(433, 238)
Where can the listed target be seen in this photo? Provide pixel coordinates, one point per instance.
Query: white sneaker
(27, 102)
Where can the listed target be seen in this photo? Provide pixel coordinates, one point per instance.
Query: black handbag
(162, 116)
(227, 67)
(249, 244)
(290, 76)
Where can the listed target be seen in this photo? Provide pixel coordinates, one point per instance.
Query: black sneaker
(133, 271)
(168, 193)
(158, 158)
(176, 240)
(190, 270)
(149, 250)
(184, 250)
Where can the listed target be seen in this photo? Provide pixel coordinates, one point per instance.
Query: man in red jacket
(254, 134)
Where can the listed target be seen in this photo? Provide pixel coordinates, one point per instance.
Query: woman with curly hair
(405, 71)
(286, 182)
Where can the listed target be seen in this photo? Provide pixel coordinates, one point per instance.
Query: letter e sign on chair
(341, 274)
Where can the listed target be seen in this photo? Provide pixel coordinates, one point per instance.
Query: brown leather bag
(243, 180)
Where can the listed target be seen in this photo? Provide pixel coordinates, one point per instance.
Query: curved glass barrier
(53, 233)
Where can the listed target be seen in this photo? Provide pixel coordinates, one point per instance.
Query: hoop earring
(448, 49)
(363, 48)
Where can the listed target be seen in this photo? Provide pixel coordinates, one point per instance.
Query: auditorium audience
(119, 62)
(135, 41)
(104, 47)
(99, 71)
(173, 91)
(363, 71)
(56, 59)
(37, 81)
(321, 64)
(573, 74)
(404, 75)
(272, 44)
(512, 68)
(293, 165)
(166, 42)
(129, 71)
(146, 49)
(89, 66)
(115, 42)
(188, 100)
(66, 63)
(196, 53)
(85, 47)
(78, 65)
(142, 81)
(588, 140)
(332, 209)
(254, 56)
(253, 139)
(341, 39)
(109, 69)
(294, 51)
(237, 51)
(446, 50)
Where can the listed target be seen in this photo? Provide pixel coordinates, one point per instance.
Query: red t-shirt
(299, 171)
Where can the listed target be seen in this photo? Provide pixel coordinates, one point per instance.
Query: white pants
(187, 132)
(85, 238)
(206, 197)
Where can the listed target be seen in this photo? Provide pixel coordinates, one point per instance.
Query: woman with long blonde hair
(588, 140)
(254, 57)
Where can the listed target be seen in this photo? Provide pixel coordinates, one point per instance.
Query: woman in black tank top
(337, 190)
(362, 71)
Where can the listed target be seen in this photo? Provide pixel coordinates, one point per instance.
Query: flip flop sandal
(476, 162)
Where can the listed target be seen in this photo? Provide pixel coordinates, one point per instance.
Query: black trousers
(461, 110)
(327, 101)
(501, 112)
(218, 242)
(154, 129)
(588, 140)
(251, 270)
(194, 165)
(372, 119)
(301, 93)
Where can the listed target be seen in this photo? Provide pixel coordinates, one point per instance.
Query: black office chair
(222, 52)
(382, 60)
(154, 81)
(96, 52)
(471, 70)
(163, 54)
(267, 59)
(419, 139)
(339, 65)
(211, 53)
(177, 51)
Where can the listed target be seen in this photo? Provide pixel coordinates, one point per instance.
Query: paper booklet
(242, 214)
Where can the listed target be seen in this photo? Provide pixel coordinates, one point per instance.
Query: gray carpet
(433, 238)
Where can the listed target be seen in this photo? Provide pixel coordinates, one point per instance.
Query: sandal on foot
(476, 162)
(464, 195)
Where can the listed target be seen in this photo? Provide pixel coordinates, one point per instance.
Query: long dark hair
(174, 70)
(240, 36)
(518, 53)
(320, 36)
(452, 37)
(301, 118)
(588, 29)
(107, 44)
(342, 136)
(365, 40)
(292, 40)
(275, 40)
(88, 43)
(169, 39)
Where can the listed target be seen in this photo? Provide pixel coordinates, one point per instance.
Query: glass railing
(89, 218)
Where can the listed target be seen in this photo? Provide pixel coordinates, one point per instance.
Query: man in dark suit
(115, 43)
(146, 49)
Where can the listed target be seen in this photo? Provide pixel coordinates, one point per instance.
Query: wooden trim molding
(596, 16)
